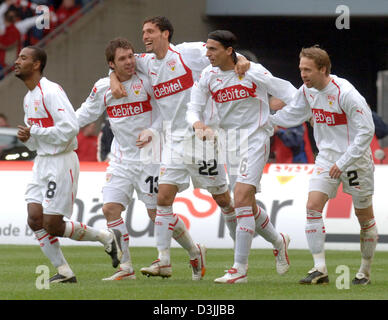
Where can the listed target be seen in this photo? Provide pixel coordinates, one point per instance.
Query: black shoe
(59, 278)
(315, 277)
(361, 279)
(114, 248)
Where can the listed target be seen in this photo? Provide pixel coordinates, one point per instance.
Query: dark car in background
(11, 148)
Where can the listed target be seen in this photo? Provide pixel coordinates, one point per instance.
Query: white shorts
(54, 183)
(356, 182)
(123, 179)
(177, 170)
(249, 168)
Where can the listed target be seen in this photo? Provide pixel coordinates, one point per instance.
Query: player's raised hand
(117, 88)
(23, 133)
(242, 65)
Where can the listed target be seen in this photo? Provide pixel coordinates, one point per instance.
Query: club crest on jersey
(162, 171)
(171, 63)
(36, 104)
(108, 177)
(136, 88)
(331, 99)
(93, 93)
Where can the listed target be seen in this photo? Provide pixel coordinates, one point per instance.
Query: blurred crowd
(19, 28)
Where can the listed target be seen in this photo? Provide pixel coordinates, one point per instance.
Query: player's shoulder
(50, 88)
(343, 85)
(195, 45)
(103, 83)
(256, 69)
(209, 72)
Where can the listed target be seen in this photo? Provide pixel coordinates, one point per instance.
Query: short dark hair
(226, 38)
(163, 24)
(39, 55)
(110, 50)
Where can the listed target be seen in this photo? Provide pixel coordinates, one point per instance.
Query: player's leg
(112, 212)
(164, 228)
(49, 244)
(225, 202)
(244, 195)
(368, 239)
(315, 234)
(62, 172)
(280, 241)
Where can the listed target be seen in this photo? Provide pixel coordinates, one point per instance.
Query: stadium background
(269, 32)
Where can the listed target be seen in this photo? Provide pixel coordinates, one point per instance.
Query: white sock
(124, 240)
(265, 228)
(316, 235)
(81, 232)
(182, 236)
(164, 228)
(244, 234)
(368, 242)
(229, 215)
(51, 248)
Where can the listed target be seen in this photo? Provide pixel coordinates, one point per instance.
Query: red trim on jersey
(43, 122)
(338, 99)
(129, 109)
(175, 85)
(233, 93)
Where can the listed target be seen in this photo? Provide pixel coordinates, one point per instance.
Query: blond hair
(319, 56)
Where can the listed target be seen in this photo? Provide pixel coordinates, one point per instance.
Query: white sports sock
(81, 232)
(182, 236)
(244, 234)
(368, 242)
(164, 227)
(265, 228)
(51, 248)
(316, 235)
(124, 239)
(229, 215)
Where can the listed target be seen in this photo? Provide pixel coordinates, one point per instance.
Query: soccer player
(172, 70)
(134, 123)
(51, 129)
(242, 106)
(343, 130)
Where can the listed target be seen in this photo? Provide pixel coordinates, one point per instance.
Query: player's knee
(35, 222)
(165, 199)
(222, 200)
(35, 216)
(112, 211)
(53, 227)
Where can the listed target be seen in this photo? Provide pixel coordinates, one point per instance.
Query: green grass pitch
(91, 264)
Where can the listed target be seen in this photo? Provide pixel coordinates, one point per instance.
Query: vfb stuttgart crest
(136, 88)
(171, 63)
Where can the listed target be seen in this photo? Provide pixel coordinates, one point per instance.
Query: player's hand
(117, 88)
(242, 65)
(144, 138)
(23, 133)
(203, 132)
(335, 172)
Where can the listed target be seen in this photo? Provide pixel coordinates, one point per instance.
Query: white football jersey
(343, 124)
(128, 116)
(241, 102)
(54, 126)
(171, 79)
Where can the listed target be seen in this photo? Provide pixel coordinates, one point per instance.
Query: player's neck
(123, 78)
(162, 51)
(324, 83)
(227, 66)
(33, 81)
